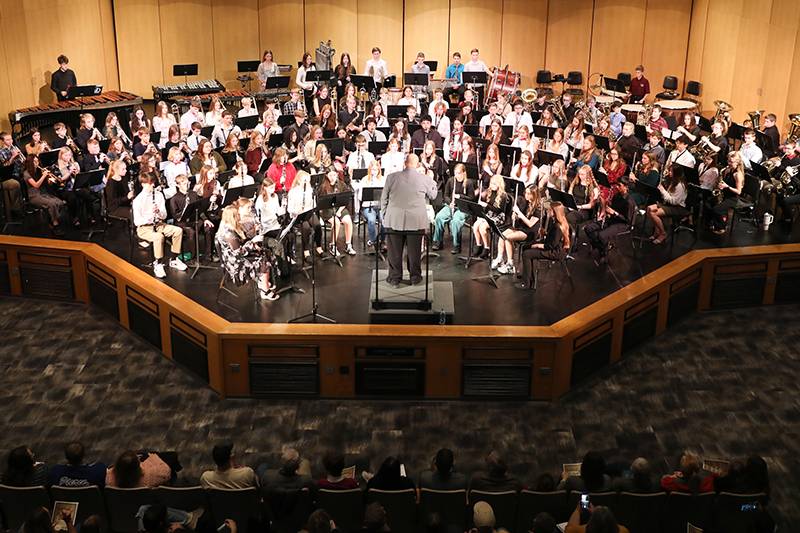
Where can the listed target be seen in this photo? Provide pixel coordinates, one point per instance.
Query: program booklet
(716, 466)
(571, 469)
(58, 507)
(350, 472)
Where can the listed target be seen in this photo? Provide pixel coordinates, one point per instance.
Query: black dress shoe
(416, 281)
(486, 254)
(478, 251)
(456, 249)
(436, 246)
(393, 282)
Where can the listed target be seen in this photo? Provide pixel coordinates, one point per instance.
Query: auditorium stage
(343, 293)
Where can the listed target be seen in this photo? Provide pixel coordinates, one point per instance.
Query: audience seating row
(641, 513)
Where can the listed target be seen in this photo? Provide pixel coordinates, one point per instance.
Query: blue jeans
(456, 221)
(373, 216)
(174, 516)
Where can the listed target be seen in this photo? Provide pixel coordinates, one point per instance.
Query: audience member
(441, 475)
(131, 471)
(23, 470)
(545, 483)
(496, 477)
(690, 476)
(375, 519)
(641, 480)
(389, 477)
(483, 517)
(593, 476)
(75, 473)
(601, 520)
(158, 518)
(287, 476)
(40, 521)
(227, 475)
(544, 523)
(319, 522)
(334, 480)
(93, 524)
(749, 477)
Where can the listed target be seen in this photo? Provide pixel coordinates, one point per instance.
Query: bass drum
(503, 82)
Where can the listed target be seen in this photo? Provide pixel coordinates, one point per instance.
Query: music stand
(543, 157)
(277, 82)
(602, 142)
(474, 78)
(703, 123)
(412, 78)
(613, 84)
(509, 154)
(291, 287)
(472, 170)
(48, 158)
(396, 111)
(373, 195)
(90, 179)
(363, 82)
(192, 211)
(514, 183)
(433, 65)
(543, 132)
(247, 66)
(314, 313)
(564, 197)
(640, 132)
(284, 121)
(602, 179)
(759, 171)
(76, 91)
(378, 148)
(318, 76)
(185, 71)
(335, 146)
(735, 132)
(332, 201)
(469, 207)
(247, 123)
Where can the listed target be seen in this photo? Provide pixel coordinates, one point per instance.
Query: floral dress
(242, 260)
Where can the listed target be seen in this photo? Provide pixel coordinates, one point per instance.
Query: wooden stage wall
(345, 361)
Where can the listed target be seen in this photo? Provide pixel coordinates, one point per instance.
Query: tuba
(557, 108)
(755, 118)
(723, 113)
(794, 126)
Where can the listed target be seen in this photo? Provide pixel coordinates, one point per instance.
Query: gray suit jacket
(403, 205)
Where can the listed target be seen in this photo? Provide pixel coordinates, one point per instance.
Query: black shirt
(346, 117)
(419, 138)
(91, 162)
(58, 142)
(465, 189)
(62, 81)
(775, 140)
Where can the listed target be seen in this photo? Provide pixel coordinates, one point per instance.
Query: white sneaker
(496, 262)
(269, 295)
(158, 270)
(350, 249)
(509, 268)
(177, 264)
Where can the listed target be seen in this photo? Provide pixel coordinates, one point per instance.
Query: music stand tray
(77, 91)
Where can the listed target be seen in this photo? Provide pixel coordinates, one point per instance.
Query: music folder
(83, 90)
(564, 197)
(247, 123)
(89, 179)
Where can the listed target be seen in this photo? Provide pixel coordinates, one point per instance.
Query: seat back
(183, 498)
(90, 500)
(625, 77)
(606, 499)
(694, 88)
(574, 77)
(122, 505)
(401, 508)
(504, 505)
(240, 505)
(752, 187)
(346, 507)
(450, 505)
(543, 77)
(683, 508)
(641, 513)
(531, 503)
(17, 503)
(289, 509)
(670, 83)
(737, 513)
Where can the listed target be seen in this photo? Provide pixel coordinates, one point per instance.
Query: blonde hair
(232, 220)
(501, 188)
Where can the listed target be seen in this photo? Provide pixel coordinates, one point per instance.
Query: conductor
(403, 207)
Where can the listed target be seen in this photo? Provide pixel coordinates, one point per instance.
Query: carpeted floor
(723, 383)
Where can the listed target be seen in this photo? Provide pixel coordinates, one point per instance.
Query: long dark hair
(19, 472)
(128, 470)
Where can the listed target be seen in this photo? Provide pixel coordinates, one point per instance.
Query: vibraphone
(228, 98)
(69, 111)
(192, 88)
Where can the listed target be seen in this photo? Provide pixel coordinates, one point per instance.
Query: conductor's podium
(410, 304)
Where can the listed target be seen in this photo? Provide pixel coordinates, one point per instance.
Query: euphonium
(557, 108)
(794, 126)
(755, 117)
(529, 95)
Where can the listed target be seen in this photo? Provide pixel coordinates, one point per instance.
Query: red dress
(275, 172)
(614, 176)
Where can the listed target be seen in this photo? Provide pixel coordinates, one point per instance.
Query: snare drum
(395, 94)
(605, 101)
(632, 111)
(674, 108)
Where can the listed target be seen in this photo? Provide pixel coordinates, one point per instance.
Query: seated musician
(394, 159)
(87, 131)
(194, 137)
(244, 259)
(628, 143)
(149, 216)
(771, 131)
(62, 138)
(524, 227)
(281, 171)
(615, 214)
(241, 178)
(411, 115)
(568, 108)
(321, 162)
(657, 121)
(458, 186)
(718, 142)
(93, 159)
(36, 180)
(224, 129)
(269, 209)
(230, 151)
(349, 118)
(615, 168)
(648, 172)
(177, 206)
(432, 165)
(248, 109)
(426, 133)
(519, 117)
(139, 120)
(455, 71)
(361, 158)
(192, 115)
(525, 170)
(497, 204)
(162, 120)
(603, 128)
(301, 198)
(557, 145)
(640, 86)
(469, 99)
(65, 170)
(208, 188)
(338, 216)
(681, 154)
(214, 113)
(673, 192)
(326, 119)
(749, 150)
(588, 155)
(547, 119)
(408, 98)
(466, 116)
(438, 97)
(206, 156)
(573, 133)
(591, 114)
(555, 245)
(321, 99)
(468, 153)
(400, 133)
(586, 192)
(708, 171)
(36, 145)
(731, 184)
(540, 104)
(372, 133)
(488, 118)
(174, 141)
(495, 134)
(119, 190)
(491, 166)
(371, 210)
(655, 147)
(453, 143)
(617, 118)
(143, 144)
(294, 103)
(378, 113)
(688, 126)
(555, 176)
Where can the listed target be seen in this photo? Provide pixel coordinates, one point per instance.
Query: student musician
(65, 170)
(349, 117)
(376, 68)
(177, 206)
(495, 134)
(615, 168)
(525, 219)
(266, 69)
(241, 178)
(87, 131)
(617, 118)
(557, 145)
(378, 113)
(295, 102)
(338, 216)
(524, 141)
(408, 99)
(547, 119)
(255, 154)
(361, 158)
(113, 130)
(519, 117)
(614, 215)
(149, 217)
(438, 98)
(648, 172)
(62, 79)
(206, 156)
(326, 119)
(496, 203)
(426, 133)
(162, 120)
(301, 198)
(749, 151)
(269, 209)
(394, 159)
(708, 171)
(174, 167)
(344, 71)
(573, 133)
(36, 145)
(372, 133)
(281, 171)
(321, 162)
(588, 155)
(192, 115)
(468, 154)
(603, 129)
(244, 259)
(431, 164)
(458, 186)
(586, 192)
(453, 144)
(490, 117)
(371, 210)
(731, 184)
(214, 113)
(62, 138)
(680, 155)
(321, 99)
(640, 86)
(441, 122)
(455, 73)
(673, 193)
(466, 116)
(36, 180)
(657, 121)
(717, 141)
(400, 133)
(194, 138)
(771, 131)
(556, 244)
(209, 189)
(655, 147)
(224, 130)
(689, 127)
(556, 177)
(628, 143)
(143, 145)
(525, 170)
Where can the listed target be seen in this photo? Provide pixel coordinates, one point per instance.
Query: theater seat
(183, 498)
(531, 503)
(504, 505)
(401, 508)
(641, 513)
(729, 515)
(90, 500)
(450, 505)
(683, 508)
(346, 507)
(17, 503)
(241, 505)
(122, 505)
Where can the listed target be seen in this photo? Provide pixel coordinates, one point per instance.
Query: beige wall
(744, 51)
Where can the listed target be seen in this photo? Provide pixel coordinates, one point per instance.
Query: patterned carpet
(723, 383)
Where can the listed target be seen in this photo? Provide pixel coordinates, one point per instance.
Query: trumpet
(52, 179)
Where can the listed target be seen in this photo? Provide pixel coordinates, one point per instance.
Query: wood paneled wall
(743, 51)
(35, 32)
